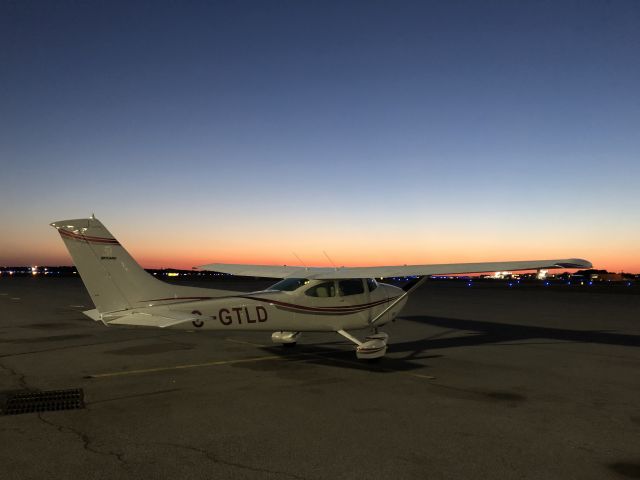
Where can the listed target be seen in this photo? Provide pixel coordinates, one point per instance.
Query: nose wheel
(373, 347)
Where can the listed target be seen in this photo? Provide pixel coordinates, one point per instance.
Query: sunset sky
(380, 132)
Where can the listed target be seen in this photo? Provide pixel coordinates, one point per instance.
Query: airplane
(307, 299)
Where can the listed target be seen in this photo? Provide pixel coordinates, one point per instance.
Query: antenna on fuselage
(303, 264)
(329, 258)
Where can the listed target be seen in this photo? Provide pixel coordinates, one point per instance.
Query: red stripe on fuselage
(180, 298)
(88, 238)
(343, 310)
(336, 309)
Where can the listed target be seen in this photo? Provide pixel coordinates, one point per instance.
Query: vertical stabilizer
(113, 278)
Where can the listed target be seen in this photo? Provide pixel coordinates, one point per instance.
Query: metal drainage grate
(31, 402)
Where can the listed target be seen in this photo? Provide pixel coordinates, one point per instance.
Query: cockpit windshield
(289, 284)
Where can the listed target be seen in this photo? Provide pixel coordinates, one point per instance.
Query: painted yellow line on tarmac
(419, 375)
(244, 342)
(182, 367)
(300, 356)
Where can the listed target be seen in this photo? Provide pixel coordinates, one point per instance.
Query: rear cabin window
(372, 284)
(322, 290)
(289, 284)
(350, 287)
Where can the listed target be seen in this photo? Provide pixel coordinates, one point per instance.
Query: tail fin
(113, 278)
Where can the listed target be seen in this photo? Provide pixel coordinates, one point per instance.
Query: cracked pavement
(494, 383)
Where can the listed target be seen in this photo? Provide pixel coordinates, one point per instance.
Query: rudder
(113, 278)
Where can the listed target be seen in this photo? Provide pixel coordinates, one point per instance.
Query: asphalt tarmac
(480, 382)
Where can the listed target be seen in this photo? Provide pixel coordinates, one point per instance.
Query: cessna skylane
(307, 299)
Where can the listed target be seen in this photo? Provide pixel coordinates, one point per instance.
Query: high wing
(267, 271)
(328, 273)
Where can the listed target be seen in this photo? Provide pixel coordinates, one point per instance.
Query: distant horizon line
(193, 269)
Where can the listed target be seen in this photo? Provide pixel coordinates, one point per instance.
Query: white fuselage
(287, 310)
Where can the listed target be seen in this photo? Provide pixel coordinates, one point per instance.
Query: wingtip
(72, 223)
(584, 263)
(575, 263)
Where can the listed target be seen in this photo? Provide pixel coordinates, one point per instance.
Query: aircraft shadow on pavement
(466, 333)
(334, 354)
(493, 332)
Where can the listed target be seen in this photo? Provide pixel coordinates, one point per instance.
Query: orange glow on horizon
(174, 249)
(188, 262)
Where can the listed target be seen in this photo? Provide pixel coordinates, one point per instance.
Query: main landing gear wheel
(286, 339)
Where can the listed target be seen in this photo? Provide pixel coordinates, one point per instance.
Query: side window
(372, 284)
(324, 289)
(289, 284)
(350, 287)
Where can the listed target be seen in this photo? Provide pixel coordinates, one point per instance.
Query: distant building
(502, 275)
(607, 277)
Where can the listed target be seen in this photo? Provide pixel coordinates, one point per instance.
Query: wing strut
(411, 288)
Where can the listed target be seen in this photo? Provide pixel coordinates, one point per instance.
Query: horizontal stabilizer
(161, 319)
(93, 314)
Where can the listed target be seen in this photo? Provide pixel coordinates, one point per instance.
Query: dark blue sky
(343, 120)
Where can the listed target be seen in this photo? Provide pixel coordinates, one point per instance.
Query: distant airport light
(501, 275)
